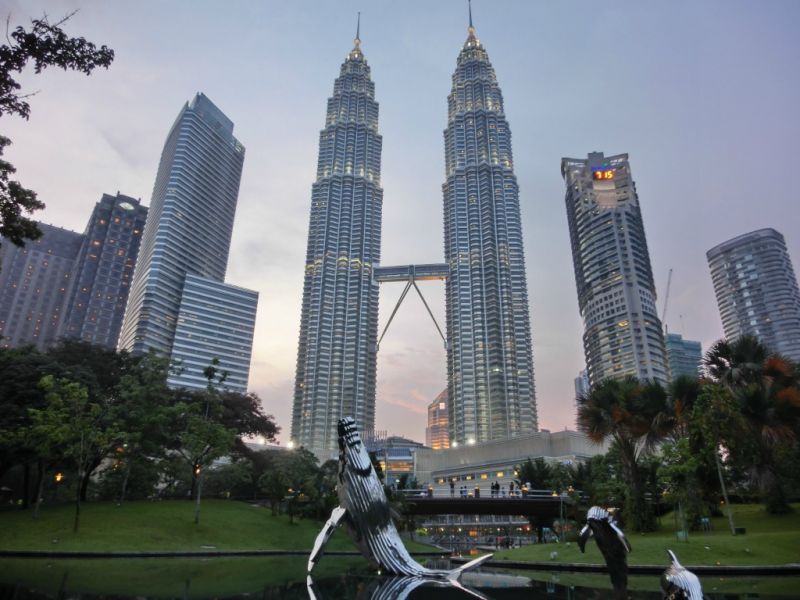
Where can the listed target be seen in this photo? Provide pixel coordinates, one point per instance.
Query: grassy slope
(770, 540)
(163, 526)
(174, 577)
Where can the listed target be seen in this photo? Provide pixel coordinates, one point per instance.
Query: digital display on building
(602, 174)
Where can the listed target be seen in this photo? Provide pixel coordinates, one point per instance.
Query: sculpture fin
(621, 536)
(325, 534)
(455, 574)
(585, 534)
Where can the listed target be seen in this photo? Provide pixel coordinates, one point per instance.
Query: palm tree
(764, 387)
(635, 415)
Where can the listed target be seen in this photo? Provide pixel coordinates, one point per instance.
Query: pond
(284, 577)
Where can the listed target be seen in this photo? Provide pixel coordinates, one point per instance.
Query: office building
(34, 280)
(684, 356)
(582, 384)
(395, 455)
(336, 357)
(616, 293)
(103, 271)
(482, 464)
(489, 356)
(757, 291)
(189, 224)
(184, 251)
(437, 433)
(215, 320)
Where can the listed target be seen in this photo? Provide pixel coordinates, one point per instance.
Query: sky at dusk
(703, 95)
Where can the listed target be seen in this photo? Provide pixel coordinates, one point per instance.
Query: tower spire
(356, 53)
(471, 39)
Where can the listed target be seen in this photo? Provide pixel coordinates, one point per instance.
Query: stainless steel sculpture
(364, 510)
(679, 583)
(613, 545)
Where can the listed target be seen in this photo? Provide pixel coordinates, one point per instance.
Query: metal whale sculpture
(612, 543)
(679, 583)
(364, 510)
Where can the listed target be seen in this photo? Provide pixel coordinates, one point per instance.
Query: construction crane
(666, 301)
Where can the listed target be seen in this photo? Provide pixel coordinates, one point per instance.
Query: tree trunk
(86, 477)
(39, 490)
(199, 487)
(125, 480)
(724, 491)
(26, 484)
(77, 520)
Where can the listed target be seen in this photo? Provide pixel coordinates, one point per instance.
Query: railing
(477, 492)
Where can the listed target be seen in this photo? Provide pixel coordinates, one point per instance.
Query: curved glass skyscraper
(336, 355)
(489, 356)
(757, 291)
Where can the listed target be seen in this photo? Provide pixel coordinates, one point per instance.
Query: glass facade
(684, 356)
(616, 293)
(490, 358)
(757, 291)
(189, 224)
(437, 434)
(215, 320)
(103, 271)
(34, 282)
(336, 358)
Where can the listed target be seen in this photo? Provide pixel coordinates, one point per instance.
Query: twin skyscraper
(489, 351)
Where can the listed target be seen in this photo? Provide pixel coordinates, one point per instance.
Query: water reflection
(284, 577)
(398, 588)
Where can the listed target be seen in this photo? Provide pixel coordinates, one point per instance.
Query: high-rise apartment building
(757, 291)
(336, 358)
(490, 359)
(188, 232)
(34, 281)
(103, 271)
(437, 433)
(616, 292)
(684, 356)
(215, 320)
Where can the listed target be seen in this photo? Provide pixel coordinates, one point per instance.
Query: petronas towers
(489, 354)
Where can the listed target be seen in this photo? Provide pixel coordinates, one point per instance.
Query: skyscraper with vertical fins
(336, 358)
(490, 360)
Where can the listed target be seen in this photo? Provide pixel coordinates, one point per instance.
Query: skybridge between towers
(410, 274)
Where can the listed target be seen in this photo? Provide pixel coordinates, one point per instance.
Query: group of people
(497, 490)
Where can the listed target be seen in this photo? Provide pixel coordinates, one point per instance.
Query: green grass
(281, 576)
(770, 540)
(164, 526)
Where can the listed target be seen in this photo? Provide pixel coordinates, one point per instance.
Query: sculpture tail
(455, 574)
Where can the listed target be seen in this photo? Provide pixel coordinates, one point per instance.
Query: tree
(292, 476)
(764, 388)
(635, 415)
(21, 369)
(143, 412)
(718, 422)
(46, 45)
(534, 473)
(75, 425)
(100, 370)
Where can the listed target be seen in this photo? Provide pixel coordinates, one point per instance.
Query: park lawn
(216, 577)
(164, 526)
(770, 540)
